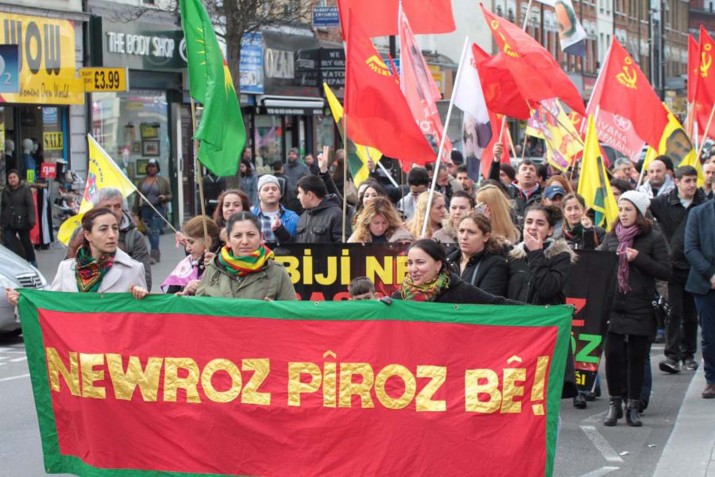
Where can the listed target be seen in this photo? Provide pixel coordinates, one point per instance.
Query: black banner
(591, 289)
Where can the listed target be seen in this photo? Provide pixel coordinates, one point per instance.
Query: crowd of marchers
(509, 239)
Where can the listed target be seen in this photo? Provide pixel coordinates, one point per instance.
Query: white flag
(469, 97)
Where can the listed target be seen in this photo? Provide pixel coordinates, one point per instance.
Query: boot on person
(633, 419)
(155, 256)
(615, 411)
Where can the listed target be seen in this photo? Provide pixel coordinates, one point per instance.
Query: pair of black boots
(615, 412)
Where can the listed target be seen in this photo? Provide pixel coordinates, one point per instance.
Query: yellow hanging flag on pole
(593, 184)
(357, 155)
(676, 144)
(102, 172)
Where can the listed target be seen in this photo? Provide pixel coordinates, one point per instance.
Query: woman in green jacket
(245, 268)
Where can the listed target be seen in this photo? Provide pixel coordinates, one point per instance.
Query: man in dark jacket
(671, 211)
(525, 190)
(294, 169)
(322, 221)
(700, 252)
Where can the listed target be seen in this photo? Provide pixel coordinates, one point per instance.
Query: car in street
(15, 272)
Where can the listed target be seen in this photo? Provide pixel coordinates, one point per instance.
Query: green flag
(221, 131)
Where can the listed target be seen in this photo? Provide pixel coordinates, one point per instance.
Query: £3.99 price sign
(104, 79)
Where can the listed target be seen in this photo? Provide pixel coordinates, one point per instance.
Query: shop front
(291, 105)
(143, 123)
(35, 117)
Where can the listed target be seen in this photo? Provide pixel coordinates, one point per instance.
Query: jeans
(706, 309)
(153, 223)
(9, 238)
(681, 329)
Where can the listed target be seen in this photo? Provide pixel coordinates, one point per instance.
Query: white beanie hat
(639, 199)
(268, 179)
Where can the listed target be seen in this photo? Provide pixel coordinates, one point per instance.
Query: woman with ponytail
(244, 267)
(643, 258)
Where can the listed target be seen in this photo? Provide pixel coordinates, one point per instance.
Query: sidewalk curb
(689, 450)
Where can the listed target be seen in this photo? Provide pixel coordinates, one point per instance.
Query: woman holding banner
(429, 279)
(481, 259)
(578, 229)
(100, 266)
(379, 222)
(185, 278)
(643, 258)
(244, 267)
(539, 270)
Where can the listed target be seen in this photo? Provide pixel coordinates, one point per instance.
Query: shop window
(269, 137)
(133, 128)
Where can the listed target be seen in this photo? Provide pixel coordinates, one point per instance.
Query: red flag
(377, 113)
(420, 90)
(499, 134)
(693, 66)
(624, 90)
(379, 17)
(704, 93)
(536, 73)
(500, 90)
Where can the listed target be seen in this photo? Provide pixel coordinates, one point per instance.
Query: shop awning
(291, 105)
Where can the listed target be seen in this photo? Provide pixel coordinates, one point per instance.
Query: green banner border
(32, 300)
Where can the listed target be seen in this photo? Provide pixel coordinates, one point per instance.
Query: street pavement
(677, 437)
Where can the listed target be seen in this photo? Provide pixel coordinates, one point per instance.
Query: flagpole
(345, 135)
(199, 176)
(382, 168)
(442, 140)
(526, 17)
(705, 132)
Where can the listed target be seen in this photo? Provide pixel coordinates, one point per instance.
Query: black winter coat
(589, 239)
(671, 217)
(460, 291)
(484, 270)
(323, 223)
(539, 277)
(632, 312)
(18, 208)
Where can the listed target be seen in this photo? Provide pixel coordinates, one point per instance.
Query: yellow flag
(593, 184)
(357, 155)
(675, 143)
(103, 172)
(550, 122)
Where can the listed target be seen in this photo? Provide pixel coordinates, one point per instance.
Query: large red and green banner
(192, 386)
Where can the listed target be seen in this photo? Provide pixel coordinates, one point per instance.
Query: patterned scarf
(575, 234)
(89, 272)
(625, 235)
(242, 266)
(426, 292)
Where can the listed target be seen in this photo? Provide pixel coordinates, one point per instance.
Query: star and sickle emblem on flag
(628, 77)
(706, 60)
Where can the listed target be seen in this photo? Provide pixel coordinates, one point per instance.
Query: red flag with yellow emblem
(377, 113)
(693, 66)
(379, 17)
(500, 91)
(536, 73)
(624, 90)
(704, 87)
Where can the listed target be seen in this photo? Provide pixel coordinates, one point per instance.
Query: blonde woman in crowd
(437, 214)
(492, 202)
(379, 222)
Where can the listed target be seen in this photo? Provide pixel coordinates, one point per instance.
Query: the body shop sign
(141, 46)
(46, 48)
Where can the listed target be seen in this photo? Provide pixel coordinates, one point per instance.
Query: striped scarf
(242, 266)
(89, 272)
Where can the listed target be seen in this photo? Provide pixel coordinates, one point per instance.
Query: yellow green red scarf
(427, 292)
(89, 272)
(242, 266)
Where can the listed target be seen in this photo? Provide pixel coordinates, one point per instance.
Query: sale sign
(210, 386)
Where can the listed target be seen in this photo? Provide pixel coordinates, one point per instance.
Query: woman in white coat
(100, 266)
